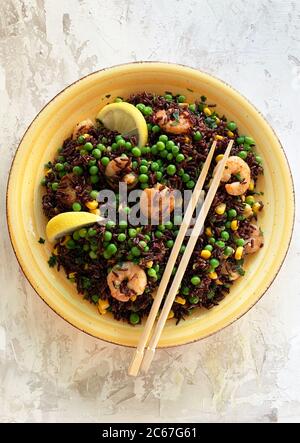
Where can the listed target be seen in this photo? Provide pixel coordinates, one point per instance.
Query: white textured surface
(52, 372)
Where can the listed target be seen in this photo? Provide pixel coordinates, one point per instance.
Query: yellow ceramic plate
(83, 100)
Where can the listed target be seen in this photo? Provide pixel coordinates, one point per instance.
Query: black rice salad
(119, 266)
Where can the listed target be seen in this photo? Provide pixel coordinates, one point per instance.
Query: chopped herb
(176, 116)
(203, 98)
(239, 177)
(41, 240)
(240, 270)
(189, 89)
(95, 298)
(108, 95)
(86, 282)
(52, 261)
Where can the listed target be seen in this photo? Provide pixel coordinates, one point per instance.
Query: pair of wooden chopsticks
(145, 360)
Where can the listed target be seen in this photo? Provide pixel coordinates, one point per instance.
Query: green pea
(101, 147)
(158, 175)
(231, 213)
(105, 161)
(185, 290)
(154, 166)
(147, 237)
(110, 225)
(121, 143)
(54, 186)
(123, 224)
(182, 249)
(86, 247)
(197, 136)
(181, 172)
(163, 138)
(190, 184)
(92, 232)
(240, 140)
(225, 235)
(243, 154)
(185, 178)
(212, 240)
(258, 159)
(181, 99)
(170, 144)
(192, 107)
(118, 99)
(194, 299)
(76, 235)
(92, 162)
(107, 236)
(231, 126)
(208, 248)
(134, 318)
(160, 146)
(93, 255)
(175, 150)
(43, 181)
(170, 156)
(132, 233)
(169, 225)
(140, 107)
(88, 146)
(171, 170)
(228, 251)
(155, 128)
(220, 244)
(214, 263)
(239, 241)
(111, 249)
(94, 179)
(249, 141)
(128, 146)
(81, 139)
(76, 207)
(164, 153)
(82, 233)
(158, 234)
(174, 270)
(143, 169)
(195, 280)
(136, 152)
(94, 194)
(59, 167)
(96, 153)
(122, 237)
(154, 150)
(70, 244)
(143, 178)
(170, 243)
(152, 273)
(168, 97)
(135, 251)
(179, 158)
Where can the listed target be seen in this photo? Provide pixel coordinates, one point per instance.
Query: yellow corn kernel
(243, 198)
(220, 209)
(219, 137)
(208, 231)
(213, 275)
(234, 225)
(86, 266)
(219, 157)
(218, 121)
(171, 315)
(72, 275)
(256, 207)
(92, 205)
(55, 251)
(86, 135)
(219, 282)
(205, 254)
(133, 297)
(95, 211)
(251, 185)
(180, 300)
(247, 211)
(230, 134)
(207, 111)
(187, 139)
(102, 306)
(48, 171)
(149, 264)
(67, 238)
(239, 252)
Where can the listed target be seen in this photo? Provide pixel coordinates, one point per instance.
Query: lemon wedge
(67, 222)
(126, 119)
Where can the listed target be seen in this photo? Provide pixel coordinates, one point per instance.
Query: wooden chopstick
(139, 352)
(149, 354)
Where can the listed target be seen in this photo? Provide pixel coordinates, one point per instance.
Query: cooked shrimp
(178, 124)
(157, 203)
(126, 280)
(236, 166)
(120, 170)
(66, 193)
(82, 128)
(256, 241)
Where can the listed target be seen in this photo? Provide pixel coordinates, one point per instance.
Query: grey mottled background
(48, 370)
